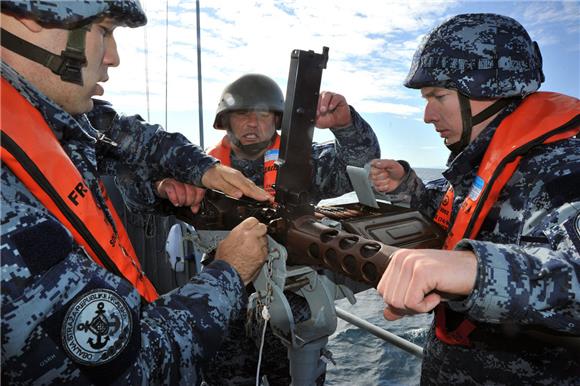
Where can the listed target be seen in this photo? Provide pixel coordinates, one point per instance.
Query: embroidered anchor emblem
(99, 326)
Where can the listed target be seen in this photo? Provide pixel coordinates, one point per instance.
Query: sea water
(363, 359)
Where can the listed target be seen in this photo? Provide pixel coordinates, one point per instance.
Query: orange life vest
(223, 152)
(31, 150)
(542, 118)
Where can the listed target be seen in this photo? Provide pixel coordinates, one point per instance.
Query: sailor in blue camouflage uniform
(66, 319)
(512, 309)
(250, 110)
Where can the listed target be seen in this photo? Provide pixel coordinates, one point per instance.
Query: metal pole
(403, 344)
(199, 93)
(166, 57)
(146, 45)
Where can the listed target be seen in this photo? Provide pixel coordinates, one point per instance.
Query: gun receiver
(353, 251)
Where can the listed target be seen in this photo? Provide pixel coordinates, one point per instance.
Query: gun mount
(356, 242)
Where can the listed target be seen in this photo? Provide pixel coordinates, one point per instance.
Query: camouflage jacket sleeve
(355, 145)
(139, 154)
(415, 193)
(529, 259)
(66, 320)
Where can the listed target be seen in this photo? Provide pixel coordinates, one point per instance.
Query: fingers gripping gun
(304, 245)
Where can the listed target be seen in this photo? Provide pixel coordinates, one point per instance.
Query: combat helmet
(482, 56)
(75, 16)
(249, 92)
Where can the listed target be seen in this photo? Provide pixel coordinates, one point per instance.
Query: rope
(266, 316)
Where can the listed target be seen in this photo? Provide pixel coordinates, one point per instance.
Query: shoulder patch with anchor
(97, 327)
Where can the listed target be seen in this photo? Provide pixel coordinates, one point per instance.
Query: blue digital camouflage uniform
(67, 320)
(354, 145)
(528, 253)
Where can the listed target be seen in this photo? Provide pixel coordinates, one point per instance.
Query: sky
(371, 46)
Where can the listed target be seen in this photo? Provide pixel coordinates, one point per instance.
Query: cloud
(371, 44)
(550, 12)
(547, 21)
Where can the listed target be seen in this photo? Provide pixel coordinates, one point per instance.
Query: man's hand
(233, 183)
(386, 174)
(416, 279)
(245, 248)
(180, 194)
(333, 111)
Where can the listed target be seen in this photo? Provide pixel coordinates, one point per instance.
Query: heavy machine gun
(356, 243)
(360, 250)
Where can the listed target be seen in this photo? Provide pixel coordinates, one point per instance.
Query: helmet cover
(75, 14)
(480, 55)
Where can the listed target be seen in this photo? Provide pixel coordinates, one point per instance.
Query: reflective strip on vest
(32, 152)
(223, 152)
(542, 118)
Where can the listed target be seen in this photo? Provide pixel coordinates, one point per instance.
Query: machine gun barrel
(307, 240)
(310, 242)
(360, 250)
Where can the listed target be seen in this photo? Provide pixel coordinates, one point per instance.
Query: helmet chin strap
(468, 121)
(68, 65)
(253, 149)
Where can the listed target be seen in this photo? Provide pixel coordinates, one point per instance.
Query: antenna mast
(199, 92)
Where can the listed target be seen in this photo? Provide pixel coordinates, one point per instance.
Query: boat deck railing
(379, 332)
